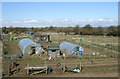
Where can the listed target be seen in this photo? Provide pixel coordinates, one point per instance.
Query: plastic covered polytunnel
(27, 46)
(70, 48)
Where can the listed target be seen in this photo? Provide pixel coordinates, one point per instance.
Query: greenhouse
(27, 46)
(70, 48)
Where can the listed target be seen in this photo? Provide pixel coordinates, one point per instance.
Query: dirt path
(115, 74)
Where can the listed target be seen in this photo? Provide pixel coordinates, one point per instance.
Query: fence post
(80, 65)
(27, 69)
(9, 71)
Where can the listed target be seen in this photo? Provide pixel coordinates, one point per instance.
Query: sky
(61, 14)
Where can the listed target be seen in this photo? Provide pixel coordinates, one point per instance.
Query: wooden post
(46, 70)
(62, 64)
(12, 63)
(17, 70)
(27, 69)
(9, 71)
(80, 65)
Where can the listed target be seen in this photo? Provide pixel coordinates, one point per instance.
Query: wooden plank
(35, 68)
(38, 72)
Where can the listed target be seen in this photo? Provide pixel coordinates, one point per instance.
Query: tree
(76, 29)
(87, 30)
(118, 32)
(98, 31)
(112, 31)
(32, 28)
(10, 28)
(4, 29)
(51, 27)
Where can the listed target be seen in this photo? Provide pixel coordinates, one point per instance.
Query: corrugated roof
(53, 48)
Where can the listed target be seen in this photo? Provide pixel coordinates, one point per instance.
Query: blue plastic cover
(80, 52)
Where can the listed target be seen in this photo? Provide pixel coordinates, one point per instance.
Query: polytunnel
(27, 46)
(70, 48)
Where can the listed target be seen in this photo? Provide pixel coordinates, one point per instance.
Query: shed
(70, 48)
(27, 46)
(53, 51)
(42, 38)
(30, 33)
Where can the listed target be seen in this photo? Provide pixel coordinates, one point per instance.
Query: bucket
(60, 52)
(20, 55)
(93, 54)
(75, 53)
(80, 40)
(80, 53)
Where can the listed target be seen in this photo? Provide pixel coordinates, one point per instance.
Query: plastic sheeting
(26, 44)
(38, 49)
(70, 48)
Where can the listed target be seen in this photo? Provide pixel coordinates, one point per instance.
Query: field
(103, 64)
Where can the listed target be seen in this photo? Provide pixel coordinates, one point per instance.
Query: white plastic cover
(69, 47)
(38, 49)
(26, 44)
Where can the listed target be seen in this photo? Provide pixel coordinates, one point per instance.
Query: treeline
(77, 30)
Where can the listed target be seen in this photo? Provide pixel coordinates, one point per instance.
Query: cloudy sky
(62, 14)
